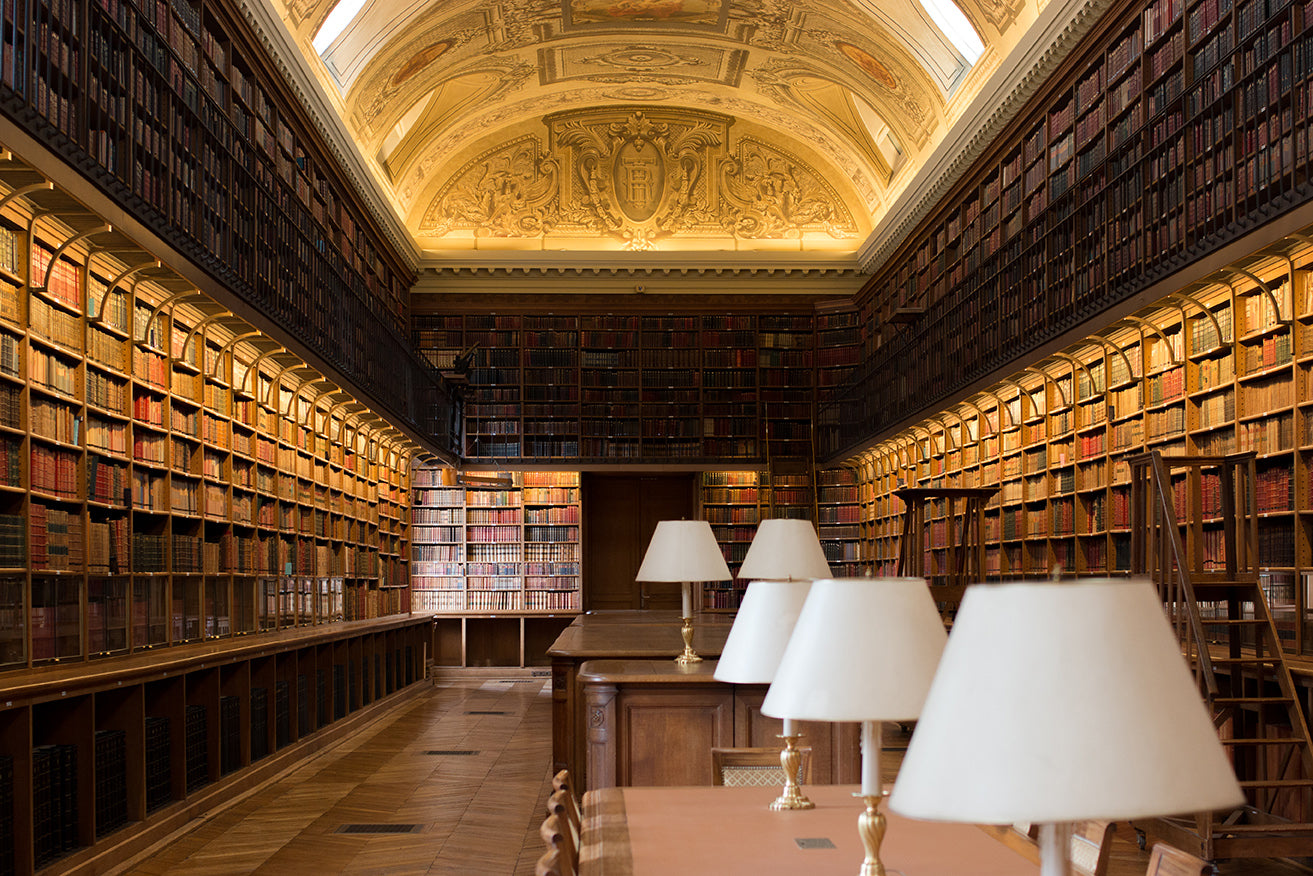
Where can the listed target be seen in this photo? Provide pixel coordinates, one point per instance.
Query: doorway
(620, 513)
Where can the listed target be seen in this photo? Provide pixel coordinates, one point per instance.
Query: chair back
(753, 767)
(1091, 842)
(556, 836)
(564, 793)
(553, 863)
(1167, 860)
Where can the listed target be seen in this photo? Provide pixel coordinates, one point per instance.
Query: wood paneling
(620, 513)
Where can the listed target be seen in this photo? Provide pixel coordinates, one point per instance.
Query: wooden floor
(475, 812)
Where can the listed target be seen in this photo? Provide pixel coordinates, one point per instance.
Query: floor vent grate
(451, 752)
(481, 712)
(379, 828)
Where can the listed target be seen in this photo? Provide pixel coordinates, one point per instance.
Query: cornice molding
(604, 274)
(626, 272)
(282, 51)
(1059, 30)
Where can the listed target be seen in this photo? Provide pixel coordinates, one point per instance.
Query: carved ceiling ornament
(774, 194)
(509, 191)
(638, 176)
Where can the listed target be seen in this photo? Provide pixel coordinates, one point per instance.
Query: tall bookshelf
(734, 502)
(1177, 128)
(672, 387)
(173, 111)
(1216, 368)
(156, 493)
(498, 559)
(187, 524)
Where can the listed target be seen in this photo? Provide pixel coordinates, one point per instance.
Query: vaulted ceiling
(704, 126)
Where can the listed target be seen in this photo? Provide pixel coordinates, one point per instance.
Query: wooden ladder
(1194, 532)
(965, 545)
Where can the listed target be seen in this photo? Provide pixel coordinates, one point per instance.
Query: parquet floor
(477, 813)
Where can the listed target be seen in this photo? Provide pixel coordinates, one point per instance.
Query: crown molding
(1056, 33)
(631, 273)
(281, 49)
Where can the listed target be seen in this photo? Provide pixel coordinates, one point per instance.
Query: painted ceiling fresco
(703, 125)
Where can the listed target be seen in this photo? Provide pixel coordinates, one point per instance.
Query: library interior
(349, 349)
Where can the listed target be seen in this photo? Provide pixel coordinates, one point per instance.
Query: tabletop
(718, 831)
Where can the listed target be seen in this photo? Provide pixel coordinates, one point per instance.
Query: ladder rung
(1219, 621)
(1278, 783)
(1250, 701)
(1267, 661)
(1275, 829)
(1266, 740)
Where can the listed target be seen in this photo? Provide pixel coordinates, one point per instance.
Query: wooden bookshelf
(174, 112)
(98, 762)
(156, 493)
(678, 388)
(1215, 368)
(498, 561)
(1177, 128)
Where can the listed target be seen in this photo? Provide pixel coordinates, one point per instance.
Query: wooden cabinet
(99, 760)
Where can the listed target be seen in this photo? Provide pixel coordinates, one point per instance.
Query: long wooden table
(701, 831)
(614, 635)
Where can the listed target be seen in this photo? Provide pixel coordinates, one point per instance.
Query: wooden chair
(1091, 842)
(1167, 860)
(556, 836)
(560, 805)
(753, 767)
(553, 863)
(561, 786)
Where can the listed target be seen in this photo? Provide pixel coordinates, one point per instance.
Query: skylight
(955, 26)
(339, 18)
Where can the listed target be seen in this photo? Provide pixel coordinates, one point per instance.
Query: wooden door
(620, 513)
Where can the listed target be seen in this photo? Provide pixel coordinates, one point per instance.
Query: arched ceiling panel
(837, 98)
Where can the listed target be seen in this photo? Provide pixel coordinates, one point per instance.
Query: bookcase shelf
(670, 388)
(1228, 373)
(173, 111)
(128, 506)
(499, 562)
(101, 759)
(1179, 127)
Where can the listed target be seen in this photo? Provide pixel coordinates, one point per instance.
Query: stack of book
(111, 781)
(159, 774)
(54, 801)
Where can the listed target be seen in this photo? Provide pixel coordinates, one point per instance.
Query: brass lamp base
(689, 655)
(791, 797)
(870, 827)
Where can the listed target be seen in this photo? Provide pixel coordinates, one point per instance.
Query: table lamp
(863, 649)
(1062, 701)
(783, 559)
(684, 551)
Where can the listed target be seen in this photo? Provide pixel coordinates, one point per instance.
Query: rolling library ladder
(1194, 532)
(966, 548)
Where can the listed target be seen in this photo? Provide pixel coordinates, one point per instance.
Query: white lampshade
(1061, 701)
(785, 550)
(761, 631)
(683, 550)
(863, 649)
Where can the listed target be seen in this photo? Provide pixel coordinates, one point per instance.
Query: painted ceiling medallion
(684, 11)
(640, 59)
(873, 68)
